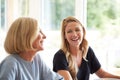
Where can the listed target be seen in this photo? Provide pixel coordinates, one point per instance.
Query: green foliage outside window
(101, 12)
(61, 9)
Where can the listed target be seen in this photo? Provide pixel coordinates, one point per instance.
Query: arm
(103, 74)
(46, 73)
(50, 75)
(95, 66)
(65, 74)
(60, 65)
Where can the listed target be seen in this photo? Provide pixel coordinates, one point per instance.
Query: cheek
(67, 37)
(36, 43)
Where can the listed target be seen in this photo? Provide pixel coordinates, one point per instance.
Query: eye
(77, 30)
(69, 31)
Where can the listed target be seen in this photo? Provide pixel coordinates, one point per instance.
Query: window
(2, 14)
(103, 24)
(53, 11)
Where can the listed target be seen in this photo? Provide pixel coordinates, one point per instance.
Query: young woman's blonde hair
(65, 46)
(21, 35)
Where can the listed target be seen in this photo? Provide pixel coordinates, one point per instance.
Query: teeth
(75, 39)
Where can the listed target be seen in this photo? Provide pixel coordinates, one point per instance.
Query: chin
(41, 49)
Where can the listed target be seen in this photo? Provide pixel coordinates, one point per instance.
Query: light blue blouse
(15, 68)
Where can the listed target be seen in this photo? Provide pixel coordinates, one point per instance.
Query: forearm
(65, 74)
(103, 74)
(109, 75)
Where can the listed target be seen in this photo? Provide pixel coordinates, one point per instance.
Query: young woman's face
(38, 43)
(74, 34)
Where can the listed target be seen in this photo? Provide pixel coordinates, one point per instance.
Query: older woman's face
(74, 34)
(38, 43)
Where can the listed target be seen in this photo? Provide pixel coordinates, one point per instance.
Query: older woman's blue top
(15, 68)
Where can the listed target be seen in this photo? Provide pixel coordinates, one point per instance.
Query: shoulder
(59, 54)
(9, 60)
(60, 61)
(90, 52)
(59, 57)
(8, 66)
(93, 61)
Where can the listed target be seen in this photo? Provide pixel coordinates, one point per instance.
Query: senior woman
(24, 39)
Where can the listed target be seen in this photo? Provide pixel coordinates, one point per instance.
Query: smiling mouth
(75, 39)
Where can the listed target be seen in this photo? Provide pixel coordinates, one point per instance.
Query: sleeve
(50, 75)
(7, 70)
(60, 61)
(47, 73)
(93, 62)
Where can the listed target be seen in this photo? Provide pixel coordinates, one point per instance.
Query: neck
(28, 56)
(75, 51)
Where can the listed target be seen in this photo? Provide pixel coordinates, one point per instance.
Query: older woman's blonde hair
(65, 46)
(21, 35)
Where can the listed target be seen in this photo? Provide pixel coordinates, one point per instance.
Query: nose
(43, 36)
(74, 33)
